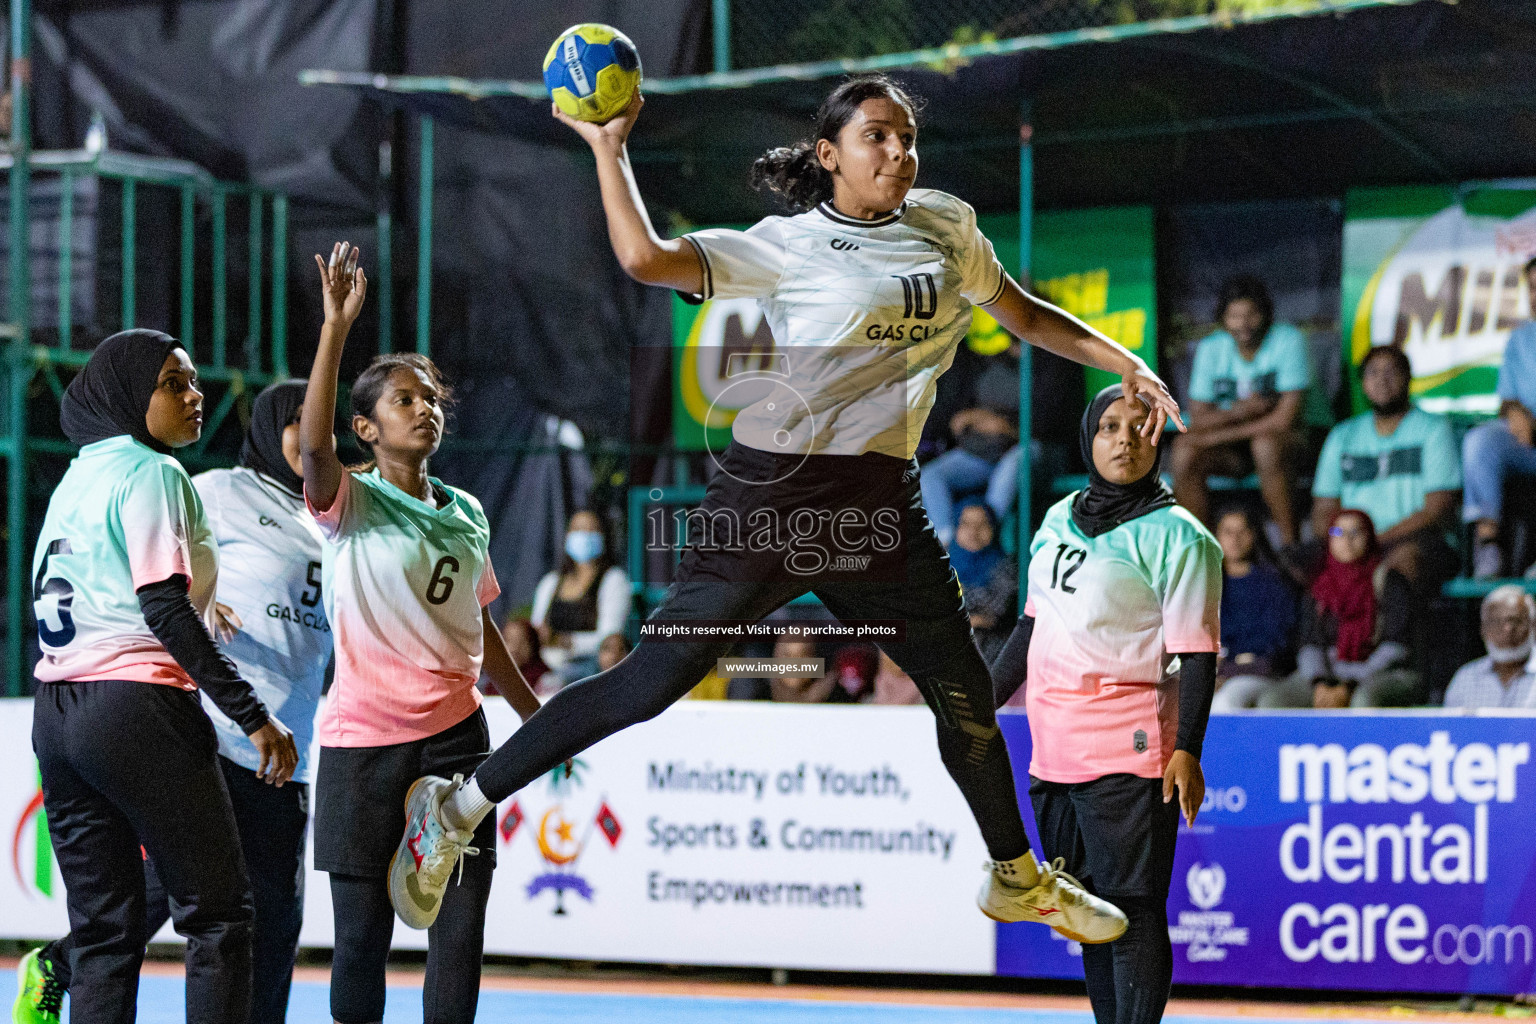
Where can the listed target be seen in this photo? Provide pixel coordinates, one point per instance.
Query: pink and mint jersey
(403, 584)
(123, 517)
(1111, 613)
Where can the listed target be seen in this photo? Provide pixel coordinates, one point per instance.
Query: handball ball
(591, 72)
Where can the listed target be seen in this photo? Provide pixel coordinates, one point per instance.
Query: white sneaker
(428, 853)
(1057, 899)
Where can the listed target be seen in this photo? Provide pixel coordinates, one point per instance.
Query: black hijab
(1104, 505)
(110, 396)
(273, 410)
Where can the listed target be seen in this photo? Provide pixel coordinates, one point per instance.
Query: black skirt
(360, 795)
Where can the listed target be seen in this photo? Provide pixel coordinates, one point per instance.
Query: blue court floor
(160, 1002)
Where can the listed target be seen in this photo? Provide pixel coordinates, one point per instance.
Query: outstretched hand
(343, 285)
(612, 133)
(1145, 383)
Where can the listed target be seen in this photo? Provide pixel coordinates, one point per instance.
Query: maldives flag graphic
(609, 824)
(510, 821)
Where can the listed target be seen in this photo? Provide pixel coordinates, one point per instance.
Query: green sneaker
(39, 995)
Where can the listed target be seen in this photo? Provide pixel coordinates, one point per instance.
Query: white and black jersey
(865, 316)
(270, 575)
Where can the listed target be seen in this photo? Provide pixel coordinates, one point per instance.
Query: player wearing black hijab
(125, 572)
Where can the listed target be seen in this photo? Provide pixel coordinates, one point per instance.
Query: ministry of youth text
(803, 779)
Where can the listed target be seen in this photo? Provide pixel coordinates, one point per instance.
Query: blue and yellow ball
(591, 72)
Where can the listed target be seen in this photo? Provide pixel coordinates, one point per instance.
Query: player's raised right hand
(342, 284)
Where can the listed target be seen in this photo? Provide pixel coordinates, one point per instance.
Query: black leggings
(914, 584)
(365, 922)
(130, 767)
(1117, 837)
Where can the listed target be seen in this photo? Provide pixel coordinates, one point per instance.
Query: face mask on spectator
(583, 545)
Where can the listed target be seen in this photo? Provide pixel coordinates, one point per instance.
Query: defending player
(1120, 635)
(126, 568)
(269, 618)
(407, 576)
(868, 291)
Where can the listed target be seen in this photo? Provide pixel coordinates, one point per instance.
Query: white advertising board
(734, 834)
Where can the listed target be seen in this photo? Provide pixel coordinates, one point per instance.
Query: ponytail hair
(794, 173)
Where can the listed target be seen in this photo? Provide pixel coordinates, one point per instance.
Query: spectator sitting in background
(1354, 631)
(1506, 676)
(989, 580)
(853, 669)
(1501, 448)
(523, 644)
(893, 686)
(811, 688)
(1258, 614)
(1247, 389)
(984, 458)
(587, 599)
(1399, 465)
(614, 648)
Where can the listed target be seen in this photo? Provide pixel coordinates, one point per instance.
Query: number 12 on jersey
(1074, 559)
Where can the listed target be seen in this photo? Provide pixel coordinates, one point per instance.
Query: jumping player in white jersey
(269, 619)
(868, 290)
(407, 577)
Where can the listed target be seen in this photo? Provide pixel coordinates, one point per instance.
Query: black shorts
(360, 795)
(1115, 833)
(803, 520)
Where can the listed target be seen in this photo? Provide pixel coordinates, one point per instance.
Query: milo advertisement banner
(1437, 271)
(1096, 264)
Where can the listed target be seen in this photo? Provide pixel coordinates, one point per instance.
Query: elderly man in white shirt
(1506, 676)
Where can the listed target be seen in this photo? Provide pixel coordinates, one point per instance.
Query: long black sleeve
(1013, 662)
(1197, 685)
(169, 613)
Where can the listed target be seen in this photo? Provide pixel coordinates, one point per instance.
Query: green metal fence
(754, 34)
(44, 347)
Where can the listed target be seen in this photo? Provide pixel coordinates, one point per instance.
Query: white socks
(465, 807)
(1022, 871)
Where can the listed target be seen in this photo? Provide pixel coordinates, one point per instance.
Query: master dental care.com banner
(1337, 851)
(1389, 852)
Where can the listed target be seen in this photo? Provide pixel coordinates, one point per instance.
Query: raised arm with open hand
(343, 286)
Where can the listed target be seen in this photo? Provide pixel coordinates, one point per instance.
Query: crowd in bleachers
(1337, 537)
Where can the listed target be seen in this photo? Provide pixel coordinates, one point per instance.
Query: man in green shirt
(1398, 464)
(1247, 394)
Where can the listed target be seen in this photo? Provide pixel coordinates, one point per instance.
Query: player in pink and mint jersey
(1118, 643)
(125, 573)
(406, 580)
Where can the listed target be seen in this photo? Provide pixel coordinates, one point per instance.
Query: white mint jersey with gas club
(122, 518)
(403, 584)
(865, 317)
(270, 566)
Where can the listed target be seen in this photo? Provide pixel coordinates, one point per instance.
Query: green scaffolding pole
(424, 244)
(384, 226)
(279, 288)
(721, 15)
(130, 241)
(21, 323)
(188, 271)
(1026, 364)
